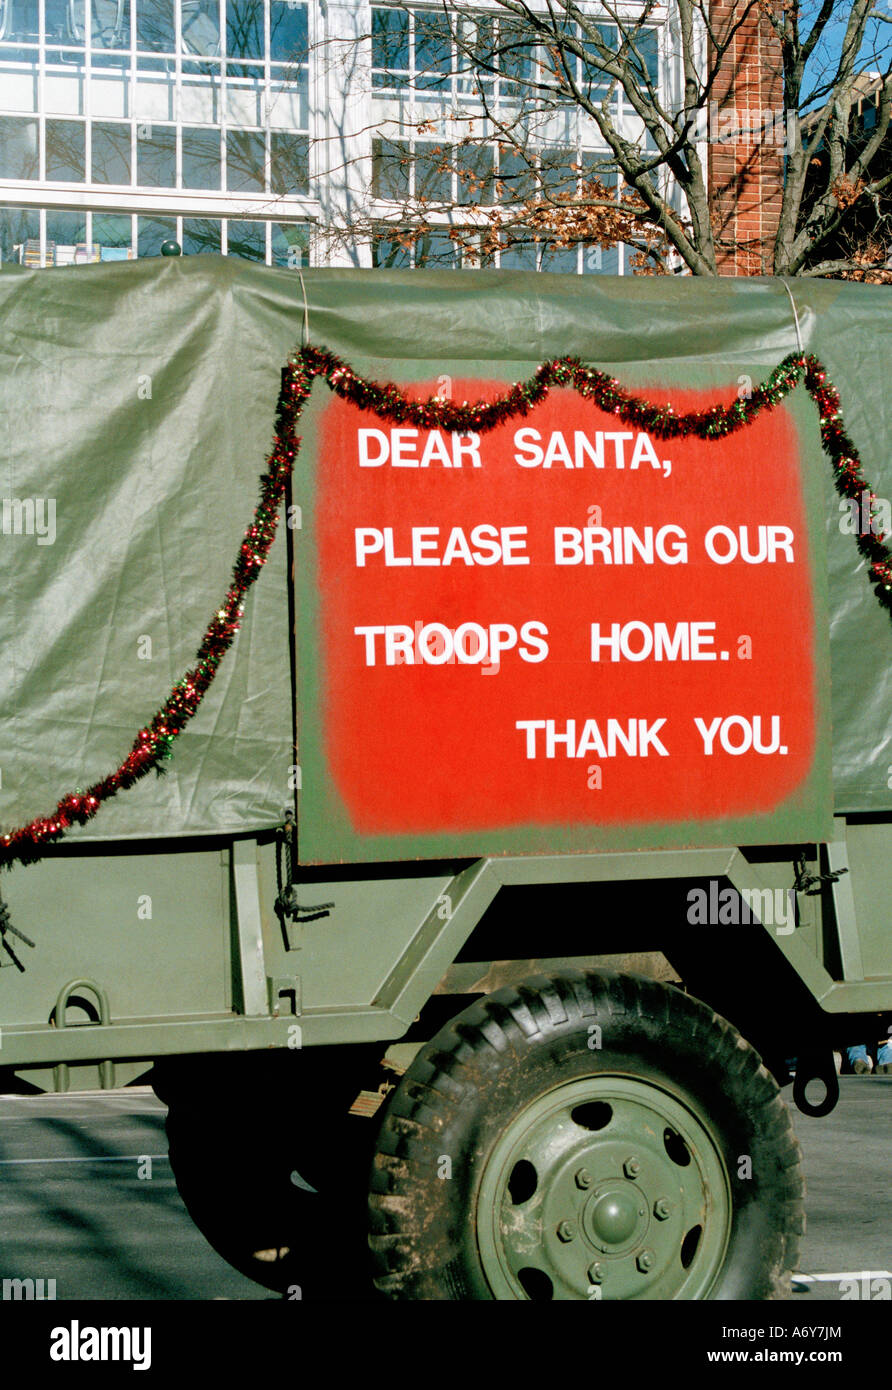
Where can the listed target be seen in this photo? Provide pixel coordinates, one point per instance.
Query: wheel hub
(612, 1217)
(609, 1187)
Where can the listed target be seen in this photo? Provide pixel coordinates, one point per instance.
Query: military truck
(527, 825)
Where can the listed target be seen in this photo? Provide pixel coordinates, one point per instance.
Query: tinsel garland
(154, 742)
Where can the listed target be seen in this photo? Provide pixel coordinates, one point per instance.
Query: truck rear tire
(586, 1136)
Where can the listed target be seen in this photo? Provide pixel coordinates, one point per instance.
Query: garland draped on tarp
(154, 743)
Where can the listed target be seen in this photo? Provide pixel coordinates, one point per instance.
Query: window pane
(156, 158)
(244, 28)
(111, 152)
(154, 27)
(474, 167)
(521, 255)
(245, 161)
(200, 27)
(433, 172)
(18, 148)
(561, 259)
(112, 234)
(111, 25)
(289, 164)
(390, 169)
(517, 179)
(433, 50)
(201, 236)
(291, 244)
(247, 239)
(287, 32)
(66, 239)
(63, 22)
(65, 150)
(64, 57)
(437, 250)
(476, 36)
(254, 71)
(647, 58)
(20, 235)
(201, 158)
(153, 231)
(598, 166)
(390, 48)
(289, 98)
(21, 21)
(200, 91)
(595, 82)
(597, 260)
(192, 69)
(557, 172)
(474, 53)
(515, 57)
(389, 253)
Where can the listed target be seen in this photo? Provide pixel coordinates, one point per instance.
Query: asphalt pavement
(848, 1208)
(88, 1200)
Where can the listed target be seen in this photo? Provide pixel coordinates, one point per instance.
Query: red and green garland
(154, 743)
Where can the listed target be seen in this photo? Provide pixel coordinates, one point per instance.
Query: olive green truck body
(140, 399)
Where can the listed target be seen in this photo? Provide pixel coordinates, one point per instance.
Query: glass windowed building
(287, 132)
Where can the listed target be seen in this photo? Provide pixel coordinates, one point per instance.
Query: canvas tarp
(139, 398)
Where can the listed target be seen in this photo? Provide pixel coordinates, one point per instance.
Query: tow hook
(818, 1066)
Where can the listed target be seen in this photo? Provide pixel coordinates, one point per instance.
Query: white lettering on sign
(483, 545)
(638, 641)
(724, 544)
(532, 450)
(469, 644)
(399, 448)
(738, 735)
(619, 545)
(636, 737)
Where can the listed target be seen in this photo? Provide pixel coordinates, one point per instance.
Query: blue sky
(875, 51)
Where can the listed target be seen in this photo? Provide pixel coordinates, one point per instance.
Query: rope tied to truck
(811, 884)
(287, 905)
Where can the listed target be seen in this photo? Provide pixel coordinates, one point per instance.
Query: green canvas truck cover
(137, 405)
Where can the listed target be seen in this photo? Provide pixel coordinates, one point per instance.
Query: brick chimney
(747, 132)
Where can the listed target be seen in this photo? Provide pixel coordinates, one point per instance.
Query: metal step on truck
(524, 843)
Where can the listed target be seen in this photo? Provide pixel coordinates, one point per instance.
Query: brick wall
(746, 167)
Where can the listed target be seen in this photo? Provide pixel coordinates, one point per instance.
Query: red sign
(564, 621)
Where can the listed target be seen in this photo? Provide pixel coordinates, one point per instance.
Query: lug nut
(645, 1261)
(596, 1273)
(583, 1178)
(662, 1209)
(566, 1231)
(631, 1167)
